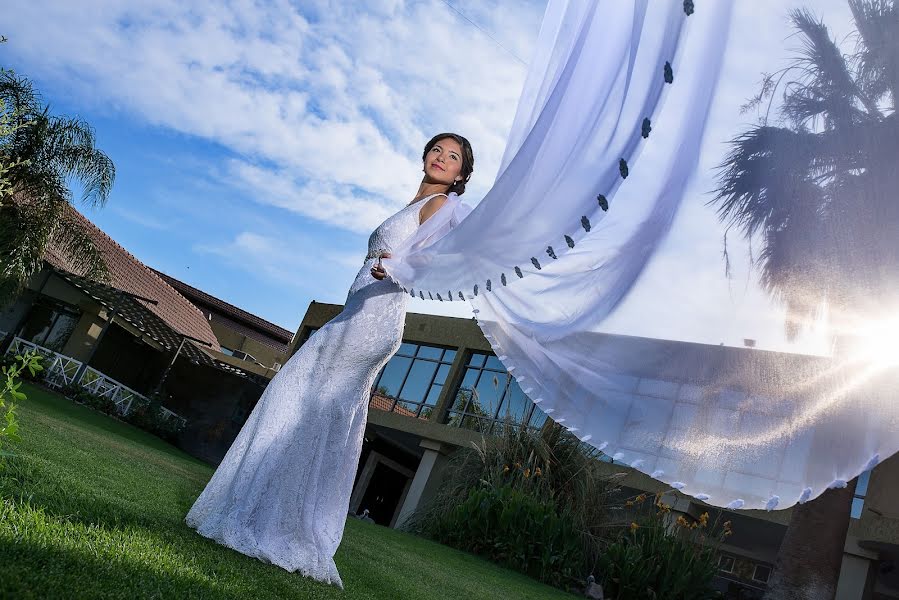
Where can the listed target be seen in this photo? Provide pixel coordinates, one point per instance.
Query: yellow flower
(518, 465)
(505, 468)
(537, 472)
(527, 473)
(634, 527)
(640, 498)
(694, 525)
(628, 503)
(682, 522)
(704, 519)
(728, 533)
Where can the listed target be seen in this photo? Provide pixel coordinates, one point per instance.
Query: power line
(484, 31)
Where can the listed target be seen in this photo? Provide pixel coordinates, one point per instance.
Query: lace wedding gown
(282, 492)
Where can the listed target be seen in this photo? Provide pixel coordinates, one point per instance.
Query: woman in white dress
(282, 491)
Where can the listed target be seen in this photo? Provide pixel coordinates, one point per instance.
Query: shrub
(146, 415)
(10, 383)
(149, 417)
(534, 501)
(517, 530)
(655, 556)
(79, 394)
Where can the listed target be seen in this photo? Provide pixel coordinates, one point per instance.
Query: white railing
(101, 385)
(60, 369)
(63, 369)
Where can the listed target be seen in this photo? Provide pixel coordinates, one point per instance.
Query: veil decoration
(563, 235)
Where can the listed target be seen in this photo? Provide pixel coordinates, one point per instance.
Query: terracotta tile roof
(250, 324)
(136, 313)
(132, 276)
(379, 402)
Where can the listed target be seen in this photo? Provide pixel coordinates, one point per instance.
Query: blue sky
(257, 143)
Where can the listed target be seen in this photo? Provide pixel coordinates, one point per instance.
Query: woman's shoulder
(431, 206)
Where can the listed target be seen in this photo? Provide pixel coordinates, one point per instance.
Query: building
(247, 341)
(421, 412)
(142, 333)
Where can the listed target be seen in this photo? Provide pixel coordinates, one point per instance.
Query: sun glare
(877, 343)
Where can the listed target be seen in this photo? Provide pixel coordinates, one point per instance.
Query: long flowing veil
(605, 140)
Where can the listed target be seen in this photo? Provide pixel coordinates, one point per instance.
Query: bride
(282, 492)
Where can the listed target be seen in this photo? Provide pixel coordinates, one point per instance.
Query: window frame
(755, 571)
(732, 560)
(473, 362)
(423, 403)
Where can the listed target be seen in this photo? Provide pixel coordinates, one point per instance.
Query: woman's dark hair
(467, 159)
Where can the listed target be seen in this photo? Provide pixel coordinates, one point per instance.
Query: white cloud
(294, 263)
(325, 112)
(323, 103)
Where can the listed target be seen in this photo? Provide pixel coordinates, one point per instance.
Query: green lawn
(93, 508)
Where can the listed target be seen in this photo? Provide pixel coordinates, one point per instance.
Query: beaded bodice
(395, 229)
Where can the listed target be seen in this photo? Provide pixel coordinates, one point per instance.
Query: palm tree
(43, 154)
(817, 188)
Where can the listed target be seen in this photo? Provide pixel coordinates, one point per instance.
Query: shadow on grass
(28, 570)
(44, 557)
(25, 479)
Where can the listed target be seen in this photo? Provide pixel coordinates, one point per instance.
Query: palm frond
(758, 177)
(877, 24)
(25, 229)
(826, 88)
(43, 155)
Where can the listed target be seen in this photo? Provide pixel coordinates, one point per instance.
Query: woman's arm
(431, 206)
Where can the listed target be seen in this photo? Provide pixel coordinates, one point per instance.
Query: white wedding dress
(282, 492)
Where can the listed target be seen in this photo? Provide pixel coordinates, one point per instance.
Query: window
(49, 324)
(488, 395)
(726, 564)
(411, 382)
(761, 573)
(858, 500)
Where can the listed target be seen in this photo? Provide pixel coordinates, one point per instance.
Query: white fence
(61, 370)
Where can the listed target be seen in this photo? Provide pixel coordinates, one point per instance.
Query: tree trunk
(810, 556)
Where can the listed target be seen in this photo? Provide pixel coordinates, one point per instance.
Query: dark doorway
(382, 497)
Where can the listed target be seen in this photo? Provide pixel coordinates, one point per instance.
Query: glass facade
(411, 382)
(488, 395)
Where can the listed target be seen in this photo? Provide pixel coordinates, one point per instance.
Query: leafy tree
(40, 155)
(816, 185)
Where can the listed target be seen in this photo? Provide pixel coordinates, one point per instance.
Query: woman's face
(443, 163)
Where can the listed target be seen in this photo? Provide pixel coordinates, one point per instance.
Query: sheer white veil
(563, 236)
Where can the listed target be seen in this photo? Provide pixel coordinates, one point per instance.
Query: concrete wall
(87, 331)
(880, 518)
(238, 341)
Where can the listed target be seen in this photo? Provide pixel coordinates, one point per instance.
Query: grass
(93, 508)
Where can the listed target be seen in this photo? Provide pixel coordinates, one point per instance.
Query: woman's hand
(377, 271)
